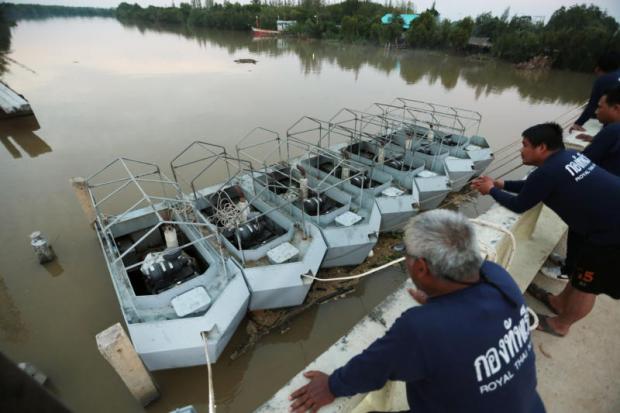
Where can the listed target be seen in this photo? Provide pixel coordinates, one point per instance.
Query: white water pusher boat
(349, 225)
(426, 189)
(438, 128)
(273, 251)
(397, 203)
(377, 133)
(171, 284)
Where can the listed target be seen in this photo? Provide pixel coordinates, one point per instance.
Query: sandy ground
(580, 372)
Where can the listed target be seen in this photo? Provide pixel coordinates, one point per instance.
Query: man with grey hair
(467, 348)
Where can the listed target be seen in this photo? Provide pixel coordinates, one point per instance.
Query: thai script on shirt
(505, 354)
(579, 167)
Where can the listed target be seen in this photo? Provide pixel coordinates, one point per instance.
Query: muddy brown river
(101, 90)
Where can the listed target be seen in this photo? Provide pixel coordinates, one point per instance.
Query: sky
(451, 9)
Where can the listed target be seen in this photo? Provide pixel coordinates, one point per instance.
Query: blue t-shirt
(605, 148)
(601, 85)
(585, 196)
(467, 351)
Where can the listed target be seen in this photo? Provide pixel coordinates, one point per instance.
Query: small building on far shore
(407, 19)
(483, 43)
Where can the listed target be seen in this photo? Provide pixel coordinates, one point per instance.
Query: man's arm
(533, 190)
(513, 186)
(601, 146)
(588, 112)
(391, 357)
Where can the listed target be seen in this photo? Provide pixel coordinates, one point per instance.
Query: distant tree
(349, 28)
(505, 14)
(392, 31)
(424, 31)
(577, 36)
(461, 32)
(5, 31)
(486, 25)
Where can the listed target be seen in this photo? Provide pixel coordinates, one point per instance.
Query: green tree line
(573, 37)
(16, 12)
(5, 37)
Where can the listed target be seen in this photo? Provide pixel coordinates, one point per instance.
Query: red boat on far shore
(281, 25)
(264, 32)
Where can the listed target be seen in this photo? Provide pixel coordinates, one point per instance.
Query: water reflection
(20, 132)
(486, 76)
(5, 44)
(54, 268)
(11, 326)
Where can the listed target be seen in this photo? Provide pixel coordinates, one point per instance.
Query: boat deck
(12, 104)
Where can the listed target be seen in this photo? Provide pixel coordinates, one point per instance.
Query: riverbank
(516, 39)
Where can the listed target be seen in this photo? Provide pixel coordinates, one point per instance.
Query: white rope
(227, 213)
(354, 277)
(489, 252)
(204, 335)
(511, 236)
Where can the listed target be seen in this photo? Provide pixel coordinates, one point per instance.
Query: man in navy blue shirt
(587, 198)
(608, 76)
(466, 349)
(605, 147)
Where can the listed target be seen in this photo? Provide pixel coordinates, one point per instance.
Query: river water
(101, 90)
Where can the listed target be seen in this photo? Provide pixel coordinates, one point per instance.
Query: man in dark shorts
(607, 73)
(466, 349)
(605, 147)
(587, 198)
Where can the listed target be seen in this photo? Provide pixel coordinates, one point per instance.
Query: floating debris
(42, 248)
(252, 61)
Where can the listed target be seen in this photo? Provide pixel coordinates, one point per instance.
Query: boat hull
(170, 344)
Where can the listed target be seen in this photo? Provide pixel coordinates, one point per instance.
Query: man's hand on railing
(575, 127)
(313, 395)
(584, 137)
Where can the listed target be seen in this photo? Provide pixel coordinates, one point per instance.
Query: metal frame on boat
(446, 127)
(169, 294)
(378, 131)
(350, 228)
(272, 250)
(396, 202)
(378, 151)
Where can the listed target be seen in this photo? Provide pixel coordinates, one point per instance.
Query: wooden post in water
(81, 192)
(116, 348)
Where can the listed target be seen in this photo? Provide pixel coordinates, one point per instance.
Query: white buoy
(431, 134)
(408, 143)
(303, 187)
(381, 156)
(170, 234)
(243, 207)
(371, 254)
(41, 247)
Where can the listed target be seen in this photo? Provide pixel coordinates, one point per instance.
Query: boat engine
(395, 163)
(314, 205)
(360, 180)
(164, 269)
(248, 232)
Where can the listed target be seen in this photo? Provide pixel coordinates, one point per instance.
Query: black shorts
(597, 269)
